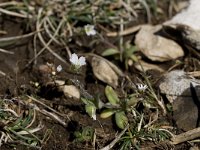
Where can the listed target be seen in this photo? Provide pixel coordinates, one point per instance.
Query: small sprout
(59, 68)
(84, 135)
(111, 95)
(89, 30)
(142, 87)
(91, 110)
(77, 62)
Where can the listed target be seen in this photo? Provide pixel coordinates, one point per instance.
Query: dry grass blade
(40, 126)
(49, 49)
(11, 111)
(44, 105)
(49, 33)
(18, 128)
(10, 3)
(127, 6)
(53, 116)
(2, 73)
(6, 51)
(52, 36)
(144, 3)
(46, 45)
(15, 38)
(11, 13)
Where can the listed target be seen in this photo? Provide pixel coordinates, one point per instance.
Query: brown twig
(186, 136)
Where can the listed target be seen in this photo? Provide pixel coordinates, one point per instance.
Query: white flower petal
(92, 32)
(89, 30)
(59, 68)
(78, 62)
(74, 59)
(142, 87)
(82, 61)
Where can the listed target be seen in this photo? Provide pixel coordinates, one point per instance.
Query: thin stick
(186, 136)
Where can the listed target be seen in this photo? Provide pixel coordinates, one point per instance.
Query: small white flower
(89, 30)
(78, 62)
(142, 87)
(59, 68)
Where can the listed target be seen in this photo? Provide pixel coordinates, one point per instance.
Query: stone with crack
(177, 85)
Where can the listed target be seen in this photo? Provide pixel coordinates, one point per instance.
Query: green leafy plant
(135, 138)
(19, 124)
(19, 129)
(117, 108)
(86, 134)
(127, 55)
(91, 106)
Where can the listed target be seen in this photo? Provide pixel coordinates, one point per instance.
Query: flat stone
(156, 47)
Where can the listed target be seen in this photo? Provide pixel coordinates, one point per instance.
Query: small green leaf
(121, 119)
(86, 101)
(107, 113)
(132, 101)
(91, 110)
(129, 51)
(110, 51)
(77, 134)
(134, 58)
(111, 95)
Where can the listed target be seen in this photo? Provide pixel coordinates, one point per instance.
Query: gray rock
(183, 91)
